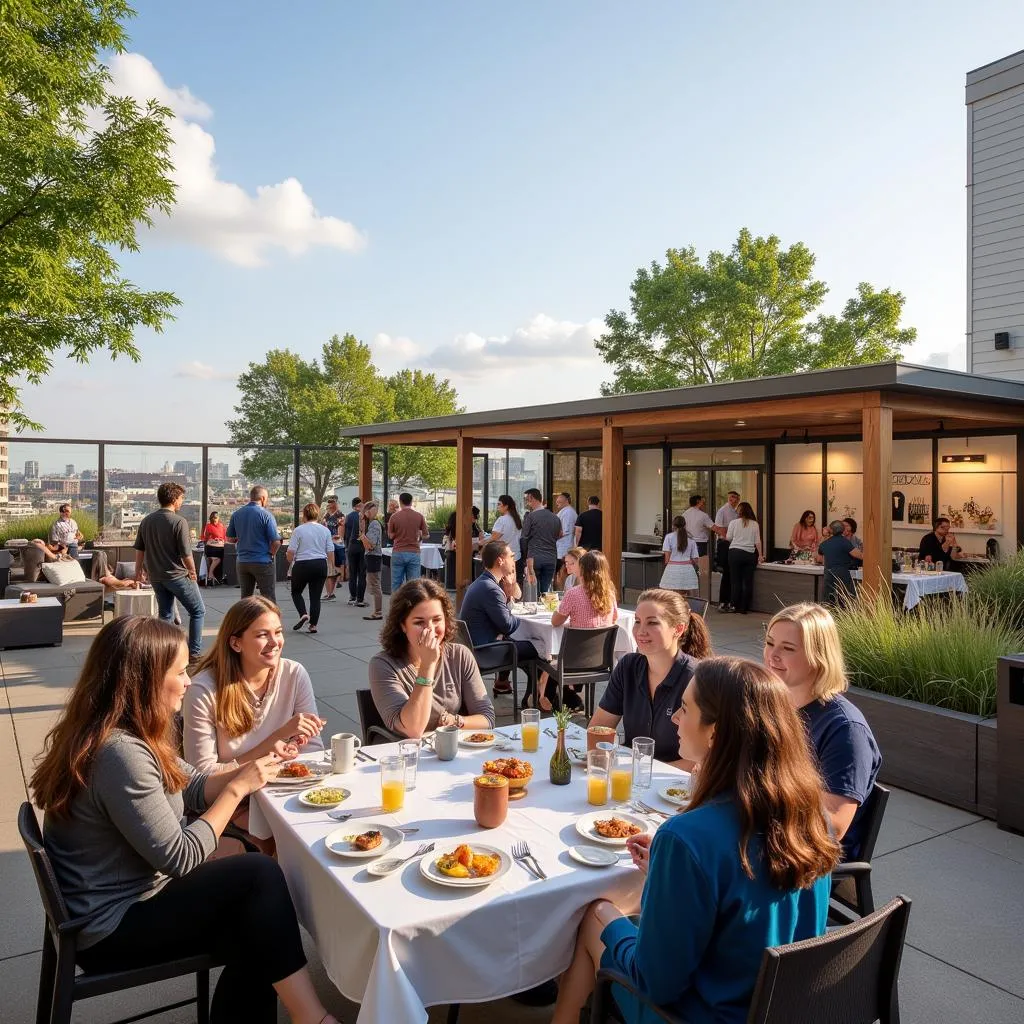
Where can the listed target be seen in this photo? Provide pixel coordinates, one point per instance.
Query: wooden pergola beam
(463, 517)
(612, 498)
(365, 469)
(877, 525)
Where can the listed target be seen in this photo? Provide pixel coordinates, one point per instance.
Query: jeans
(545, 573)
(188, 593)
(73, 549)
(357, 572)
(405, 565)
(374, 590)
(310, 573)
(742, 565)
(261, 574)
(237, 908)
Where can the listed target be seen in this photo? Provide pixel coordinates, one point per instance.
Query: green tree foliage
(71, 194)
(740, 315)
(420, 395)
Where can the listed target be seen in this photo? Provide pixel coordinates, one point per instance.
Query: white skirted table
(431, 556)
(548, 638)
(134, 602)
(919, 584)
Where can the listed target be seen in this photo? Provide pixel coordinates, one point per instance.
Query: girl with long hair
(746, 866)
(646, 688)
(213, 538)
(374, 533)
(745, 553)
(311, 556)
(115, 797)
(805, 537)
(571, 563)
(507, 527)
(423, 677)
(801, 646)
(681, 556)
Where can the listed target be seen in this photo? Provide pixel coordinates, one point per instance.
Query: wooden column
(876, 528)
(365, 470)
(463, 516)
(613, 497)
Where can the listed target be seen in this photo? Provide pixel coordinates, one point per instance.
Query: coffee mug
(343, 751)
(446, 742)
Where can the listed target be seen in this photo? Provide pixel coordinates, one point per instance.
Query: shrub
(943, 653)
(40, 525)
(1001, 586)
(439, 517)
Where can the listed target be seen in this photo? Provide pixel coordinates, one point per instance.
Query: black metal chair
(586, 657)
(851, 882)
(374, 729)
(498, 657)
(60, 986)
(847, 976)
(698, 605)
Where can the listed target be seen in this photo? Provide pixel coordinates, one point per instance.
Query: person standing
(567, 517)
(838, 554)
(681, 556)
(163, 548)
(65, 531)
(406, 528)
(507, 527)
(334, 519)
(392, 509)
(699, 527)
(311, 554)
(214, 533)
(725, 515)
(254, 530)
(589, 525)
(745, 554)
(374, 557)
(355, 554)
(541, 531)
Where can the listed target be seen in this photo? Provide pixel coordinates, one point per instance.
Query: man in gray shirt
(539, 540)
(164, 548)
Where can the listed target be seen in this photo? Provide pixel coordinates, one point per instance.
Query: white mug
(343, 751)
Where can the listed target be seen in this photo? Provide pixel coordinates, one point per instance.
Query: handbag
(374, 562)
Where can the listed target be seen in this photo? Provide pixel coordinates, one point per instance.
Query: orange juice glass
(622, 784)
(530, 724)
(392, 783)
(597, 777)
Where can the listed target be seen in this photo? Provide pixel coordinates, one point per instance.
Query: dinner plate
(594, 856)
(464, 740)
(429, 868)
(671, 798)
(304, 797)
(585, 825)
(318, 773)
(337, 843)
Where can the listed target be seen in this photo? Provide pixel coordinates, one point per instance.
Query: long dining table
(547, 638)
(399, 944)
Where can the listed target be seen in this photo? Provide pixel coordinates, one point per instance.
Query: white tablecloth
(400, 944)
(431, 556)
(920, 583)
(548, 639)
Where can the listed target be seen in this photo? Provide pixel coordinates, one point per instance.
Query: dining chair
(851, 881)
(497, 657)
(698, 605)
(371, 723)
(60, 985)
(586, 657)
(849, 975)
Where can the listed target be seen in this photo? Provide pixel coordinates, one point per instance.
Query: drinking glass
(409, 751)
(597, 777)
(938, 567)
(392, 783)
(530, 723)
(643, 762)
(622, 775)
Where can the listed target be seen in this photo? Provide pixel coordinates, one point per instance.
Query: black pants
(356, 571)
(257, 574)
(722, 559)
(237, 909)
(311, 573)
(742, 565)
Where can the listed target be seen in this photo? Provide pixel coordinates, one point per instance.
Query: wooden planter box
(944, 755)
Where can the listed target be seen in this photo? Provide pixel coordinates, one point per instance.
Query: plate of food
(517, 771)
(465, 866)
(367, 839)
(478, 740)
(298, 773)
(524, 609)
(324, 797)
(677, 793)
(611, 828)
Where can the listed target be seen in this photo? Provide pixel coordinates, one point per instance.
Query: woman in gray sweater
(115, 796)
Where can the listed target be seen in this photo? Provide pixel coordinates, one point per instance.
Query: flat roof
(995, 77)
(894, 376)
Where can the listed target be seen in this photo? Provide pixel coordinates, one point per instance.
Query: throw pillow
(125, 571)
(63, 573)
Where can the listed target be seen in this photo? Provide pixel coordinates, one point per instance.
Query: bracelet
(424, 681)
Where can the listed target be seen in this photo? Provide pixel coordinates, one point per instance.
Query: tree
(288, 401)
(79, 171)
(419, 395)
(740, 315)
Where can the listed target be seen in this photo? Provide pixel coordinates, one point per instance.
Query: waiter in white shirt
(698, 527)
(726, 514)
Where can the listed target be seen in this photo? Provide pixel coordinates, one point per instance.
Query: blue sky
(471, 187)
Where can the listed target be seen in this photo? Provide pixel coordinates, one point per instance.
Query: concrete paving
(966, 878)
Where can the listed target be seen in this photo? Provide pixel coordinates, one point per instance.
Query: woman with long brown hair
(681, 556)
(746, 866)
(646, 688)
(115, 797)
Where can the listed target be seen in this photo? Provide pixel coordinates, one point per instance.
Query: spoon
(389, 864)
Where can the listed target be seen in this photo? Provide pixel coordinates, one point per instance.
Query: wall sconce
(963, 458)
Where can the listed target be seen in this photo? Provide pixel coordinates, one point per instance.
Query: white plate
(464, 738)
(585, 825)
(337, 843)
(429, 869)
(304, 797)
(319, 772)
(679, 801)
(594, 856)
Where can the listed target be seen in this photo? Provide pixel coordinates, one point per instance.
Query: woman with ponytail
(681, 558)
(646, 688)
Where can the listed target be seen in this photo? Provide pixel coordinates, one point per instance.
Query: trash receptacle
(1010, 743)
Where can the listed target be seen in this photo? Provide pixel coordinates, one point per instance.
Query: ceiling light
(736, 451)
(741, 423)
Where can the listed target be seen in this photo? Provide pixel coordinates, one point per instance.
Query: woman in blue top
(744, 867)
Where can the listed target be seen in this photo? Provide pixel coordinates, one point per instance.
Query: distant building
(132, 479)
(69, 469)
(190, 470)
(4, 488)
(60, 486)
(219, 471)
(32, 469)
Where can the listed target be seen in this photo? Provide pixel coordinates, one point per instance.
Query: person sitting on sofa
(99, 570)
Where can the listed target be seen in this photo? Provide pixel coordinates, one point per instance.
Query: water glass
(643, 762)
(409, 751)
(392, 783)
(938, 567)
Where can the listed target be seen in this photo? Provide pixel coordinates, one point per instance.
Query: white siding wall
(995, 217)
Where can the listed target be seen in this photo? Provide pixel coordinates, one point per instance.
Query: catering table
(402, 943)
(431, 556)
(134, 602)
(920, 583)
(548, 639)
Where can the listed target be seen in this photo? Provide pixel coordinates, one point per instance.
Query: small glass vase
(560, 768)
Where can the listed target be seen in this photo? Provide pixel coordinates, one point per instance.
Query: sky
(470, 188)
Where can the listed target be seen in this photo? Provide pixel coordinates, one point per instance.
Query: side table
(31, 625)
(134, 602)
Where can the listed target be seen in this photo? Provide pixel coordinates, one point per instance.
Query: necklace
(255, 700)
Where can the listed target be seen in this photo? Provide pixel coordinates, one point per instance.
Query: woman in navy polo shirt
(802, 648)
(646, 688)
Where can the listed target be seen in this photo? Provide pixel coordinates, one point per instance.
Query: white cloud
(390, 349)
(202, 371)
(217, 214)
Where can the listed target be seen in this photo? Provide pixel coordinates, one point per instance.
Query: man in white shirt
(725, 515)
(65, 531)
(567, 517)
(698, 527)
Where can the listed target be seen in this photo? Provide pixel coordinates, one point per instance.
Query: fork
(647, 809)
(521, 853)
(392, 864)
(549, 732)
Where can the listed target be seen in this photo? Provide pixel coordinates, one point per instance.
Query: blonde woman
(572, 568)
(802, 648)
